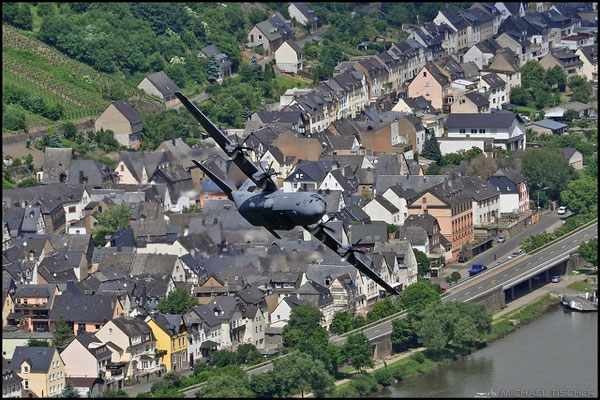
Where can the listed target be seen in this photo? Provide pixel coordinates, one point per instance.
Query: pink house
(430, 84)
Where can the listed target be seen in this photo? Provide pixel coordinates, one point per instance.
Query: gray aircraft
(270, 207)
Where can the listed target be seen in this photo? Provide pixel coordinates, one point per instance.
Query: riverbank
(517, 313)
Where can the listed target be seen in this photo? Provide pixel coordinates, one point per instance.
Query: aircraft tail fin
(224, 186)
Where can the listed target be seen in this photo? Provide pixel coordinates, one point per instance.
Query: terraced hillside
(35, 67)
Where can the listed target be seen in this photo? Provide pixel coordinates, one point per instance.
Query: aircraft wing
(328, 240)
(257, 174)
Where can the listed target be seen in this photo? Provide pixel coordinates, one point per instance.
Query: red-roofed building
(574, 42)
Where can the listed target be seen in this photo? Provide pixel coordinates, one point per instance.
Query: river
(556, 355)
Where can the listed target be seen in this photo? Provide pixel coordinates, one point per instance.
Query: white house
(288, 57)
(399, 198)
(254, 320)
(281, 314)
(574, 42)
(304, 15)
(505, 128)
(381, 209)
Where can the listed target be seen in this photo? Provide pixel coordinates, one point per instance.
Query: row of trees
(33, 102)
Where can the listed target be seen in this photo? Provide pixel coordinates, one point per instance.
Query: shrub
(204, 375)
(399, 372)
(345, 392)
(364, 383)
(384, 376)
(418, 357)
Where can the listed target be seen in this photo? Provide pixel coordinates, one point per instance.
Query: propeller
(238, 146)
(347, 250)
(323, 225)
(266, 174)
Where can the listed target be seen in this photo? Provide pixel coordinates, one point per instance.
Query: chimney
(80, 177)
(173, 142)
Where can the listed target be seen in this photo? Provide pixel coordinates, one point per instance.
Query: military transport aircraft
(272, 208)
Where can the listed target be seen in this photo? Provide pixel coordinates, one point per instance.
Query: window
(425, 75)
(473, 130)
(110, 331)
(462, 131)
(97, 326)
(25, 369)
(72, 209)
(482, 131)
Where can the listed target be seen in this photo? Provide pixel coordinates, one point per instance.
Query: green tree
(29, 161)
(546, 167)
(69, 391)
(12, 120)
(63, 333)
(116, 217)
(579, 87)
(178, 301)
(358, 321)
(246, 113)
(431, 149)
(589, 251)
(381, 309)
(532, 75)
(364, 384)
(248, 354)
(384, 376)
(304, 320)
(263, 385)
(455, 276)
(417, 296)
(115, 394)
(341, 323)
(54, 140)
(357, 351)
(37, 343)
(433, 169)
(16, 162)
(403, 334)
(581, 195)
(28, 182)
(213, 68)
(300, 373)
(423, 263)
(482, 166)
(556, 77)
(106, 140)
(570, 115)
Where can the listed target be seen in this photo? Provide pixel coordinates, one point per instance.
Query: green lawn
(582, 286)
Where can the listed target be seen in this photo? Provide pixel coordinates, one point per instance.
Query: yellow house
(171, 338)
(42, 370)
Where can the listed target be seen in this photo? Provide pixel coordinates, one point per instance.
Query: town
(445, 150)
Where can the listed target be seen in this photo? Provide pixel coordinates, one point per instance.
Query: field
(35, 67)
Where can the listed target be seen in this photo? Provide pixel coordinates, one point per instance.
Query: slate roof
(170, 323)
(511, 174)
(569, 152)
(385, 203)
(476, 187)
(294, 46)
(493, 80)
(163, 83)
(500, 119)
(207, 315)
(88, 308)
(87, 338)
(414, 182)
(477, 98)
(369, 233)
(132, 326)
(407, 194)
(420, 105)
(425, 221)
(591, 53)
(449, 194)
(56, 162)
(135, 161)
(95, 173)
(151, 263)
(39, 358)
(549, 124)
(227, 304)
(132, 116)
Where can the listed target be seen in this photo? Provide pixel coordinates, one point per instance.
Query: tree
(589, 251)
(433, 169)
(570, 115)
(581, 195)
(403, 334)
(357, 351)
(213, 68)
(431, 149)
(263, 385)
(106, 140)
(248, 354)
(116, 217)
(556, 77)
(178, 301)
(29, 161)
(579, 87)
(341, 323)
(246, 113)
(12, 120)
(532, 75)
(37, 343)
(63, 333)
(69, 391)
(115, 394)
(300, 373)
(381, 309)
(519, 96)
(304, 320)
(16, 162)
(54, 140)
(423, 263)
(28, 182)
(482, 166)
(546, 167)
(417, 296)
(455, 276)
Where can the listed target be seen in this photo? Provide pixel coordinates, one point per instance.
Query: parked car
(555, 278)
(501, 239)
(444, 288)
(476, 268)
(562, 210)
(463, 259)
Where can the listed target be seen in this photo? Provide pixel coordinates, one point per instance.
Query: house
(482, 53)
(574, 156)
(506, 65)
(319, 296)
(470, 102)
(453, 210)
(505, 128)
(270, 33)
(211, 330)
(416, 235)
(32, 305)
(548, 126)
(11, 382)
(56, 165)
(255, 317)
(85, 313)
(480, 25)
(514, 193)
(589, 56)
(399, 259)
(430, 225)
(307, 176)
(399, 197)
(229, 311)
(288, 57)
(369, 234)
(574, 42)
(431, 84)
(495, 88)
(280, 316)
(171, 340)
(303, 15)
(222, 58)
(458, 25)
(377, 75)
(133, 347)
(160, 85)
(87, 357)
(75, 263)
(42, 370)
(485, 198)
(381, 209)
(568, 60)
(556, 113)
(138, 167)
(179, 184)
(124, 121)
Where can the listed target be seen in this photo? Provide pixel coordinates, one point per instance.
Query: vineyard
(34, 66)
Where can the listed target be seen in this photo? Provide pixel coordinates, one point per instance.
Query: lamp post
(538, 197)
